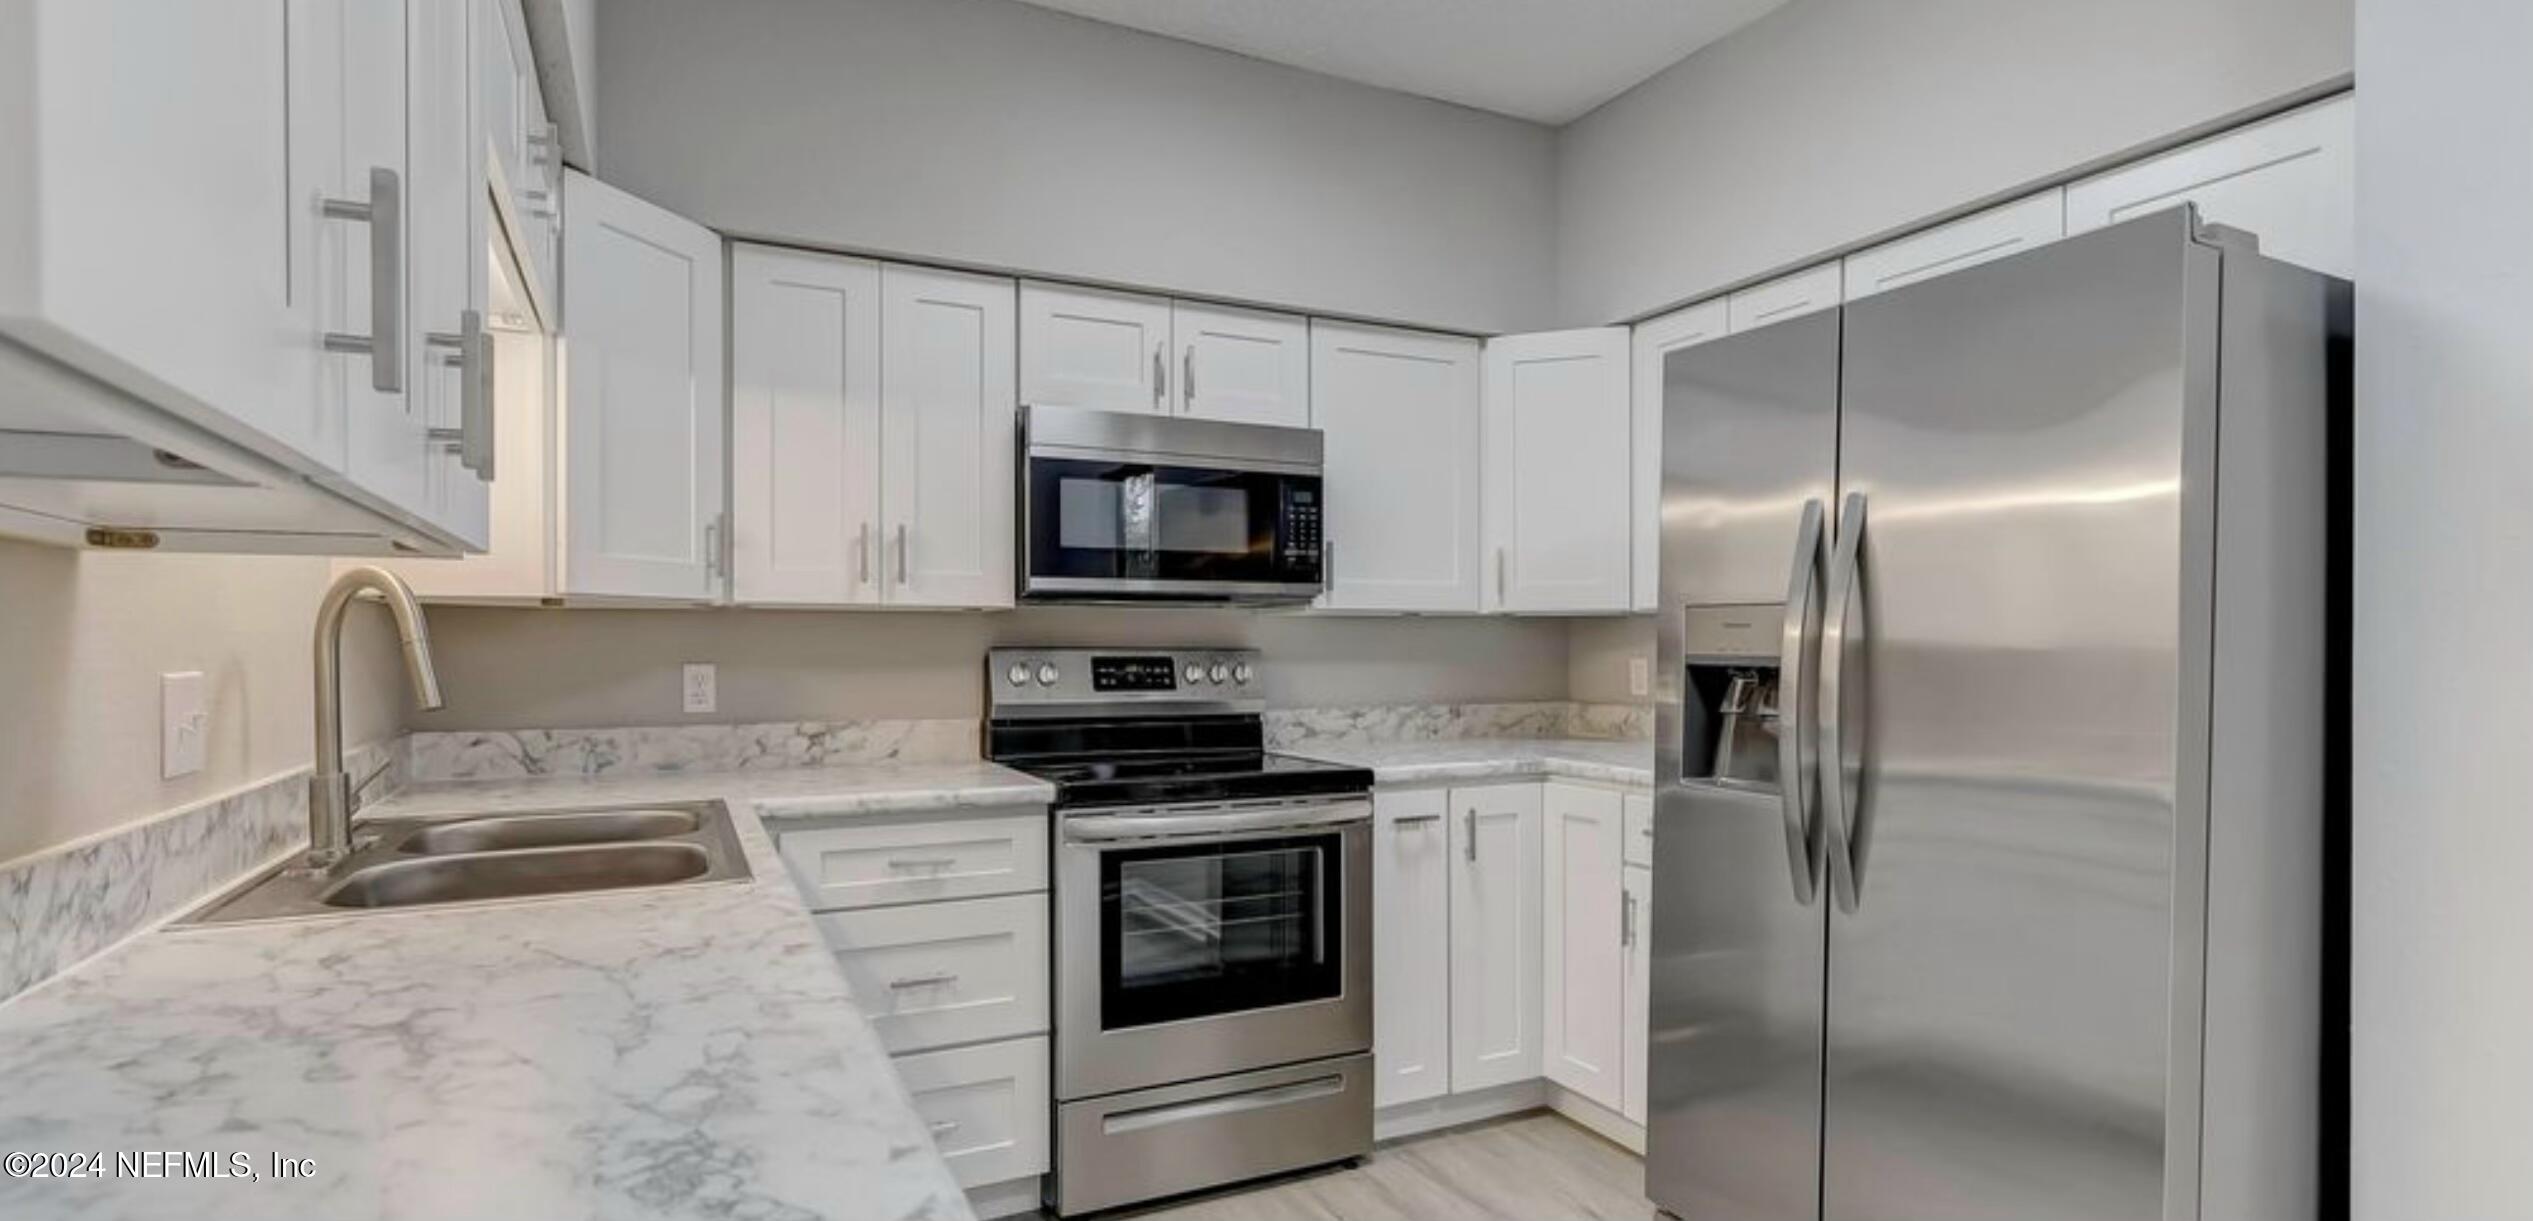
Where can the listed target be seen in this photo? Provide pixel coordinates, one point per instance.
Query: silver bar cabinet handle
(904, 566)
(1469, 833)
(1499, 576)
(384, 213)
(1187, 378)
(1841, 808)
(1626, 918)
(712, 545)
(1410, 820)
(470, 351)
(1798, 653)
(1160, 376)
(924, 981)
(922, 862)
(866, 553)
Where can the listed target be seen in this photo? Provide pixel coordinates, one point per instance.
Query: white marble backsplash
(59, 906)
(1614, 722)
(513, 754)
(1291, 728)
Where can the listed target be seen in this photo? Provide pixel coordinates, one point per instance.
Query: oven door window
(1205, 930)
(1136, 521)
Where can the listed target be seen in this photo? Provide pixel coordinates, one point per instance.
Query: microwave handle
(1103, 828)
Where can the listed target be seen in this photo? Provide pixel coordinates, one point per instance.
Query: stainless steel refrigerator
(1990, 756)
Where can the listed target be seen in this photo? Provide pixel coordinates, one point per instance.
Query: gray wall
(1832, 122)
(520, 669)
(2443, 664)
(992, 133)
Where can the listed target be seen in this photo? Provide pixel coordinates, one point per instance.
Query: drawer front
(1122, 1148)
(918, 861)
(1636, 833)
(988, 1108)
(946, 972)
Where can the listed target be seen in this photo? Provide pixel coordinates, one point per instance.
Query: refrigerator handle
(1842, 807)
(1798, 654)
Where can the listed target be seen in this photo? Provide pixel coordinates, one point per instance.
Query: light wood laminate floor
(1535, 1167)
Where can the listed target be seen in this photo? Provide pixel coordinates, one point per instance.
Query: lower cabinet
(1582, 942)
(1411, 964)
(986, 1107)
(1636, 1003)
(1494, 935)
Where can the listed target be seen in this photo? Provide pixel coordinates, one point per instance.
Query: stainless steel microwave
(1125, 507)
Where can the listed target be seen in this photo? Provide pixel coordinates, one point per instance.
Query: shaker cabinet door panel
(1558, 496)
(1241, 365)
(1582, 976)
(1495, 923)
(948, 399)
(804, 428)
(2034, 220)
(1089, 347)
(1650, 342)
(1411, 922)
(1399, 413)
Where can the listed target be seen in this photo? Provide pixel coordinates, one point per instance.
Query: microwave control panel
(1301, 533)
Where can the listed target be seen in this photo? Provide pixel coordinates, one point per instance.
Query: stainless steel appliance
(1991, 786)
(1213, 923)
(1127, 507)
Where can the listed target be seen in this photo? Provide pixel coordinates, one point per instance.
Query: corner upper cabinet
(1090, 347)
(948, 409)
(804, 429)
(1558, 442)
(1399, 413)
(1243, 366)
(2290, 180)
(642, 428)
(1650, 342)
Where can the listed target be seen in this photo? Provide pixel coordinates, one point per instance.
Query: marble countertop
(683, 1052)
(1448, 760)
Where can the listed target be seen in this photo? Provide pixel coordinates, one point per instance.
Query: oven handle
(1108, 828)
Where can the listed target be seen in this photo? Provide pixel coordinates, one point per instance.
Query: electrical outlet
(184, 726)
(1639, 676)
(699, 686)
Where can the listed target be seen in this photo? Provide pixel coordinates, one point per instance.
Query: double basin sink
(409, 862)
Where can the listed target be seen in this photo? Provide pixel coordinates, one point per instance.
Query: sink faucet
(330, 792)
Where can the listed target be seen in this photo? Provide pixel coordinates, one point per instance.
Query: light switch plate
(699, 687)
(1639, 676)
(184, 725)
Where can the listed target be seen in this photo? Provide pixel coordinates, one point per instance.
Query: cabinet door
(1244, 366)
(445, 213)
(1582, 968)
(989, 1108)
(1399, 413)
(1411, 956)
(1804, 292)
(2291, 180)
(1558, 434)
(2034, 220)
(642, 423)
(946, 412)
(1495, 911)
(804, 428)
(1650, 342)
(1087, 347)
(1635, 1038)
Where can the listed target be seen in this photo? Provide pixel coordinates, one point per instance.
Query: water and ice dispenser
(1729, 697)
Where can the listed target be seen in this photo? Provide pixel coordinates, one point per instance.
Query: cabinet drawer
(1636, 837)
(946, 972)
(866, 865)
(988, 1108)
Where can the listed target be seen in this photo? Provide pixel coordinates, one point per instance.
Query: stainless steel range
(1213, 916)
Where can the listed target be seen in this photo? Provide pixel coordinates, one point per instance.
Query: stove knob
(1018, 674)
(1195, 674)
(1220, 673)
(1241, 674)
(1047, 674)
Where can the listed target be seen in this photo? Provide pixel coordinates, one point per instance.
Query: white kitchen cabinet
(1495, 925)
(1638, 829)
(1558, 437)
(642, 429)
(948, 399)
(878, 861)
(1090, 347)
(2291, 180)
(986, 1108)
(1244, 366)
(1650, 342)
(1411, 956)
(521, 157)
(445, 236)
(1790, 296)
(804, 428)
(1636, 992)
(934, 974)
(1399, 412)
(2034, 220)
(1583, 969)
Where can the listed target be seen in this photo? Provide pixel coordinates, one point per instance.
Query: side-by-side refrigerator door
(1740, 902)
(2014, 684)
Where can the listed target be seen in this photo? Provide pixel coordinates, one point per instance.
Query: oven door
(1195, 943)
(1121, 528)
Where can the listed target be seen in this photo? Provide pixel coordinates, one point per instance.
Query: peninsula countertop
(677, 1052)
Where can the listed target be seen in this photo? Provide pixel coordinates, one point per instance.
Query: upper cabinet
(1791, 296)
(1558, 501)
(522, 150)
(1114, 351)
(2035, 220)
(948, 412)
(642, 460)
(1650, 342)
(1400, 415)
(2291, 180)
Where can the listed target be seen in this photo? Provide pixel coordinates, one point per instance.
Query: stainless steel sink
(487, 858)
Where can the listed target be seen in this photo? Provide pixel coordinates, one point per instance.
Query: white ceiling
(1549, 61)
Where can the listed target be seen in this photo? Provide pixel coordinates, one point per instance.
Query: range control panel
(1049, 678)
